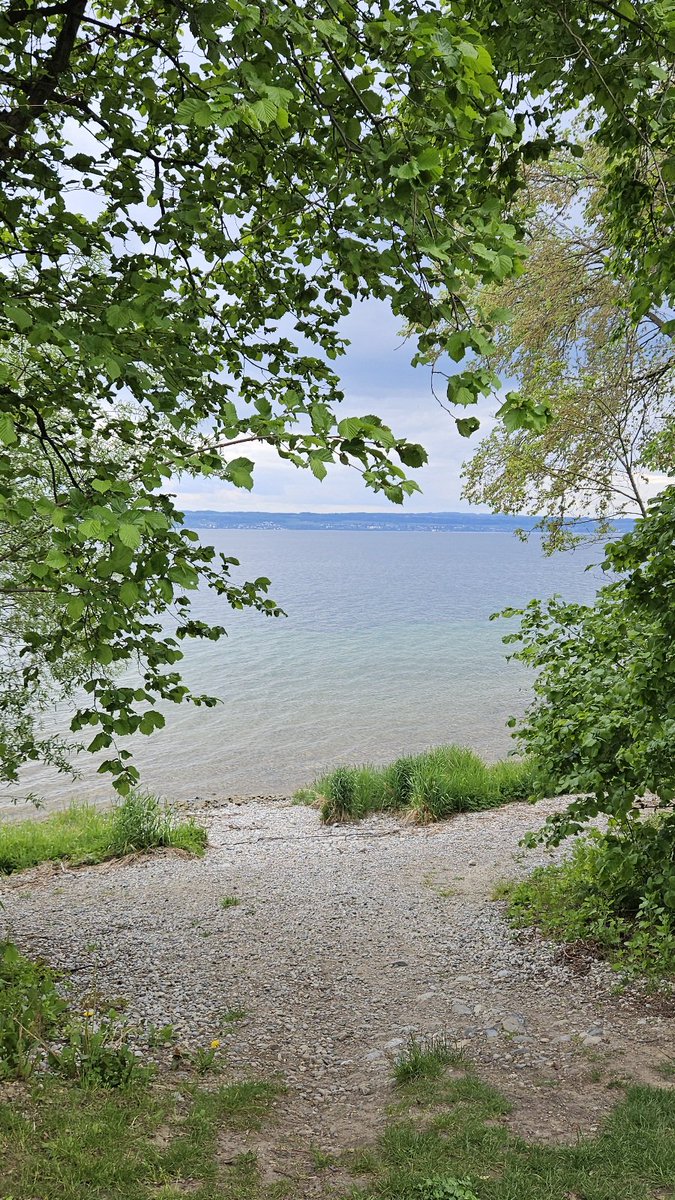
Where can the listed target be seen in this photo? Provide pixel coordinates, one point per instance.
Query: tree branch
(15, 122)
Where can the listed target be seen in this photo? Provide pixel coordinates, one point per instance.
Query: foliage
(83, 834)
(175, 273)
(142, 822)
(602, 721)
(31, 1011)
(95, 1051)
(612, 893)
(38, 1029)
(425, 1058)
(442, 1187)
(565, 339)
(613, 63)
(432, 785)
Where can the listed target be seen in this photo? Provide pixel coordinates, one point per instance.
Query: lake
(387, 649)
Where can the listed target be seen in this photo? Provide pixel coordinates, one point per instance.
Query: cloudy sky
(378, 378)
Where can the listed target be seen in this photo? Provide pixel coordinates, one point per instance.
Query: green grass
(61, 1143)
(431, 786)
(83, 834)
(425, 1058)
(446, 1140)
(229, 901)
(601, 896)
(464, 1139)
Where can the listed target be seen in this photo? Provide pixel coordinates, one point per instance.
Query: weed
(503, 889)
(96, 1052)
(322, 1160)
(442, 1188)
(425, 1058)
(204, 1058)
(229, 902)
(162, 1036)
(31, 1011)
(233, 1014)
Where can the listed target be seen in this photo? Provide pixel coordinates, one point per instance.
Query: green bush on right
(616, 891)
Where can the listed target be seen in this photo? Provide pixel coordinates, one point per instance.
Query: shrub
(433, 785)
(616, 890)
(31, 1010)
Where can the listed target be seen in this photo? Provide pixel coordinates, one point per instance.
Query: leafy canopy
(193, 197)
(604, 381)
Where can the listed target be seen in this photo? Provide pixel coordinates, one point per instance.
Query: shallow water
(387, 648)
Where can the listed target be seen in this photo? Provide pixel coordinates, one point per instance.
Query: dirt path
(345, 940)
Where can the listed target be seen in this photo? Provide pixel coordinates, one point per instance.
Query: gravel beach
(344, 941)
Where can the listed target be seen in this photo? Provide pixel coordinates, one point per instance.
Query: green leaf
(467, 425)
(19, 316)
(350, 428)
(129, 535)
(7, 430)
(412, 454)
(240, 472)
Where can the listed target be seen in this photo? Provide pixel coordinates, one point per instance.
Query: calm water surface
(387, 649)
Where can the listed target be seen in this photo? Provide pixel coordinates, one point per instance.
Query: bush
(31, 1010)
(37, 1029)
(433, 785)
(616, 891)
(85, 834)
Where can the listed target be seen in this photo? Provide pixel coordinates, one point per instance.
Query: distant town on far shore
(394, 522)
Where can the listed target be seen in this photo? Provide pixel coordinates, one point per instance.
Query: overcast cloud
(377, 378)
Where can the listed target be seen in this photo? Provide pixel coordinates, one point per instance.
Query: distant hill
(395, 522)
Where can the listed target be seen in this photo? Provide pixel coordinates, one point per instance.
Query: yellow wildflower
(88, 1012)
(215, 1044)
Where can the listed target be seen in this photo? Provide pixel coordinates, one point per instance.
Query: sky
(377, 378)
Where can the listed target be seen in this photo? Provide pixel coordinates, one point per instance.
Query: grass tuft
(426, 1058)
(83, 834)
(431, 786)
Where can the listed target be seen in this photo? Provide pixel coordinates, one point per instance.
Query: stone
(461, 1009)
(514, 1023)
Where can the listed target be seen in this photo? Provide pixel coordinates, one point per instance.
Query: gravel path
(345, 940)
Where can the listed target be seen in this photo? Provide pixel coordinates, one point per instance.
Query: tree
(193, 196)
(612, 61)
(563, 335)
(602, 722)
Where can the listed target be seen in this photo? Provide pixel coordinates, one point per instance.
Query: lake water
(387, 649)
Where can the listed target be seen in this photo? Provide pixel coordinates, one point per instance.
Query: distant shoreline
(443, 522)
